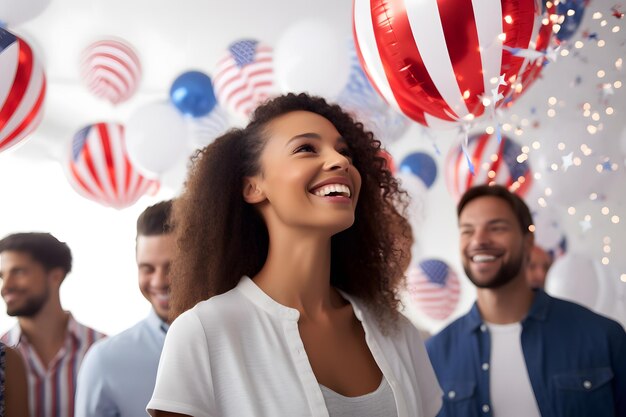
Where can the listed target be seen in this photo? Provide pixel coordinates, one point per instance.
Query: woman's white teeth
(339, 189)
(483, 258)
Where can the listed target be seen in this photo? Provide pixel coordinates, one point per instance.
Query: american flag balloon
(494, 162)
(443, 61)
(361, 99)
(22, 90)
(99, 168)
(244, 77)
(111, 70)
(434, 288)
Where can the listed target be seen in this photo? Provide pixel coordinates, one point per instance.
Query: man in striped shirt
(53, 344)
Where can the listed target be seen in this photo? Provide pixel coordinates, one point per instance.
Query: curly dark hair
(221, 238)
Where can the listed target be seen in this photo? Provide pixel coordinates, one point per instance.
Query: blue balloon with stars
(192, 94)
(422, 165)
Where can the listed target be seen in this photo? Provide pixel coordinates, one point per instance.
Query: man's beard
(31, 306)
(505, 274)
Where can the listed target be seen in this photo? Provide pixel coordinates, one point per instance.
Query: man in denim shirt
(520, 352)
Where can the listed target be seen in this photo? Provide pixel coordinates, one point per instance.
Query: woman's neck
(297, 274)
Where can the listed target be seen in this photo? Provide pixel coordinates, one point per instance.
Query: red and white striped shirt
(52, 387)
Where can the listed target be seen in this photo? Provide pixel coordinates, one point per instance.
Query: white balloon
(576, 277)
(311, 57)
(14, 12)
(156, 137)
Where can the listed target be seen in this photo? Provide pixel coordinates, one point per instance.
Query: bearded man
(518, 351)
(32, 268)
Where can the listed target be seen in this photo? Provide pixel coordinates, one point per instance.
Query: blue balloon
(422, 166)
(192, 94)
(571, 22)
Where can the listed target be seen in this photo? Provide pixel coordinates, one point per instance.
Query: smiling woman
(291, 248)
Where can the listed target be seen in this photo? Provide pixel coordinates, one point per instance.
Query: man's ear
(252, 193)
(57, 275)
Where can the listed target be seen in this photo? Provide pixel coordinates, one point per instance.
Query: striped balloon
(443, 61)
(111, 70)
(244, 77)
(22, 90)
(494, 162)
(434, 288)
(99, 168)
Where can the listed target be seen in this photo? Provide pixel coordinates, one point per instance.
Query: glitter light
(592, 129)
(548, 191)
(597, 15)
(564, 52)
(508, 19)
(593, 196)
(552, 101)
(506, 127)
(536, 145)
(542, 202)
(587, 106)
(531, 228)
(595, 116)
(551, 113)
(578, 45)
(603, 23)
(623, 277)
(537, 175)
(615, 219)
(494, 157)
(605, 261)
(571, 211)
(609, 110)
(606, 249)
(617, 84)
(615, 29)
(554, 167)
(587, 218)
(601, 43)
(606, 240)
(561, 146)
(605, 210)
(489, 130)
(618, 63)
(525, 149)
(600, 74)
(571, 12)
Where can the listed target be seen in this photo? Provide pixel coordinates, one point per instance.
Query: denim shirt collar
(538, 311)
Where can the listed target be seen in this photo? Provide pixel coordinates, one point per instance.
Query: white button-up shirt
(240, 354)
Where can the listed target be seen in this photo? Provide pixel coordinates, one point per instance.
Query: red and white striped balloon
(434, 288)
(499, 162)
(244, 77)
(111, 70)
(22, 89)
(99, 168)
(443, 61)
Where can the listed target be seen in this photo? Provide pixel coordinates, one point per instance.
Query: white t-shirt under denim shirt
(240, 354)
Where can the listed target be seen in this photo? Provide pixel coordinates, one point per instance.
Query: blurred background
(157, 79)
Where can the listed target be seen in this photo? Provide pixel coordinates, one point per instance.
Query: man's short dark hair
(519, 207)
(42, 247)
(154, 220)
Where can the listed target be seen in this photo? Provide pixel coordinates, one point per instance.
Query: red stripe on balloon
(20, 83)
(105, 140)
(459, 29)
(90, 165)
(403, 64)
(518, 35)
(77, 176)
(34, 112)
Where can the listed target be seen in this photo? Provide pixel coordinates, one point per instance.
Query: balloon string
(464, 143)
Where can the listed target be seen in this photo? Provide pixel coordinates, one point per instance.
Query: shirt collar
(155, 322)
(538, 311)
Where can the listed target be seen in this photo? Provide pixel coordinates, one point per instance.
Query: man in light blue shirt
(118, 374)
